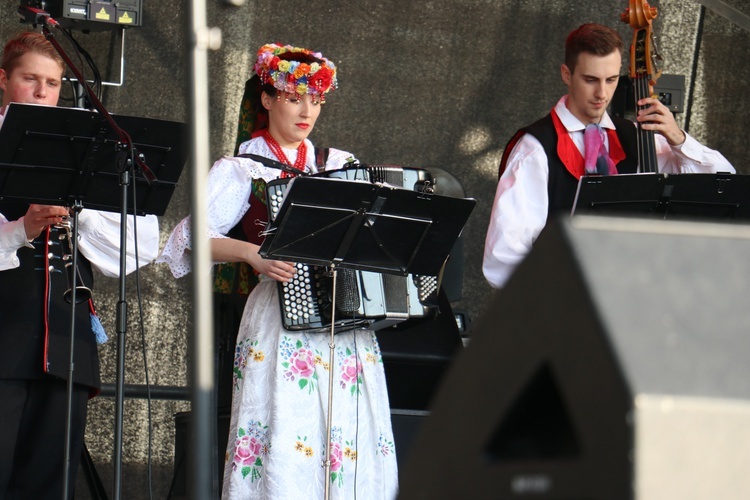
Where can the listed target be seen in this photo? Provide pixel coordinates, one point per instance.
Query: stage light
(91, 15)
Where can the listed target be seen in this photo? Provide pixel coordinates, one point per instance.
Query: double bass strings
(646, 139)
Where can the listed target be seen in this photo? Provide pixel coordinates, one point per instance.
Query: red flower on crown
(322, 79)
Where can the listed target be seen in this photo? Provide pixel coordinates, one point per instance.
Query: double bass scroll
(644, 72)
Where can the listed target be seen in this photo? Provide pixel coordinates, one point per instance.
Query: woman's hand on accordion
(276, 269)
(231, 250)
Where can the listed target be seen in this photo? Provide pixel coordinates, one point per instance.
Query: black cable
(97, 78)
(76, 47)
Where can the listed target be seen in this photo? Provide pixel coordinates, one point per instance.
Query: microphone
(36, 16)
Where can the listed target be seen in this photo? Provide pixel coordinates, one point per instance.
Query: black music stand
(363, 226)
(72, 157)
(56, 156)
(712, 197)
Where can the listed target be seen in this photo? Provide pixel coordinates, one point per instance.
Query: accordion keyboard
(300, 305)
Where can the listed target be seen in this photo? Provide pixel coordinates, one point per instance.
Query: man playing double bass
(543, 162)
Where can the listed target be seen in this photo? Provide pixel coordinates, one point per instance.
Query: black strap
(272, 163)
(321, 157)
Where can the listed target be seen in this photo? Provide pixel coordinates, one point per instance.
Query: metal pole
(122, 329)
(329, 421)
(202, 464)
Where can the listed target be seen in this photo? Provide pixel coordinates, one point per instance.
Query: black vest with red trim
(35, 319)
(253, 224)
(562, 184)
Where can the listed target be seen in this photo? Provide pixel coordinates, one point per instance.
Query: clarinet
(83, 293)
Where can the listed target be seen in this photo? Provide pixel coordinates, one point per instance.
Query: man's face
(591, 85)
(36, 79)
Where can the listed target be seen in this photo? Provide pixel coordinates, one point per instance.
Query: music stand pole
(331, 355)
(121, 329)
(73, 288)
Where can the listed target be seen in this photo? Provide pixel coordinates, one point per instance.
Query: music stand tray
(55, 156)
(717, 197)
(365, 226)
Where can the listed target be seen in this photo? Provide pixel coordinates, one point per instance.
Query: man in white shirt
(34, 317)
(543, 162)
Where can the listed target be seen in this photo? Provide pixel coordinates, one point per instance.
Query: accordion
(363, 298)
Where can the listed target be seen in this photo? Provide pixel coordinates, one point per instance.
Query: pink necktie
(596, 158)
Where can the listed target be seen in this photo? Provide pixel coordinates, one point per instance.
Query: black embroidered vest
(562, 186)
(34, 329)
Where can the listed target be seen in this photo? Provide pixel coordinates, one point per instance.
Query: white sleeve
(99, 240)
(690, 157)
(337, 159)
(229, 187)
(12, 237)
(519, 212)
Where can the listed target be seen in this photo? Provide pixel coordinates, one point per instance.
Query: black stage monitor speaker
(615, 364)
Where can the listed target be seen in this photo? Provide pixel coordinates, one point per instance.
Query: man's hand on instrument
(657, 117)
(39, 217)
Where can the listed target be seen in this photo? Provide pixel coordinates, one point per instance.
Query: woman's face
(291, 119)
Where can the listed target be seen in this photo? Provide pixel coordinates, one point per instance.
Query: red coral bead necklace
(299, 163)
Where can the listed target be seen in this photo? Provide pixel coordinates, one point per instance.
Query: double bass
(643, 73)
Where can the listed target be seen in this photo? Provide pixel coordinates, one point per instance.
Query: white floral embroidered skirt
(278, 428)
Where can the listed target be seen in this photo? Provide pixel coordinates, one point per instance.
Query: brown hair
(25, 42)
(590, 39)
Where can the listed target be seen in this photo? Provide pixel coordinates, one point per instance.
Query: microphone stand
(126, 159)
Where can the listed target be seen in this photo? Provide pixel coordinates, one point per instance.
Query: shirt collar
(573, 124)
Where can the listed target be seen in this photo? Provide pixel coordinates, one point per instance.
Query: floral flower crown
(295, 77)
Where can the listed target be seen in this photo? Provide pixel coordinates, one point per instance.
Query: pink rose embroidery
(351, 369)
(247, 450)
(251, 447)
(299, 364)
(302, 362)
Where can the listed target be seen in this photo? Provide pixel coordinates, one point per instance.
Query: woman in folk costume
(279, 421)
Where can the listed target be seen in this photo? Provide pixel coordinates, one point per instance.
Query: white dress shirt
(519, 212)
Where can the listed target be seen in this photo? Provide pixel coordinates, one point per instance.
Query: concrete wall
(428, 83)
